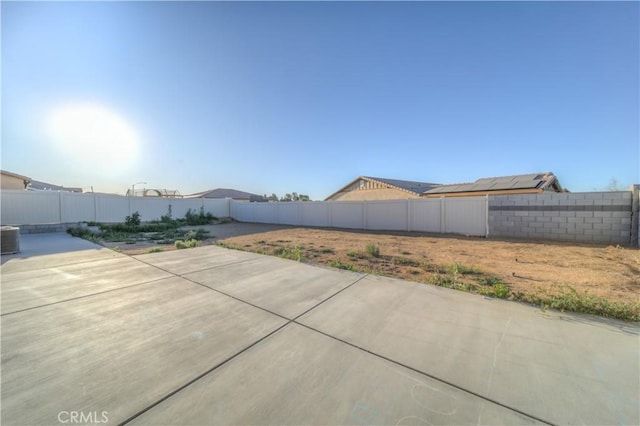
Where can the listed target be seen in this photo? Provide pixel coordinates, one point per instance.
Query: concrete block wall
(592, 217)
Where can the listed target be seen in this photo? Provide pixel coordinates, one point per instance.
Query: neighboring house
(371, 188)
(518, 184)
(229, 193)
(153, 192)
(9, 180)
(36, 185)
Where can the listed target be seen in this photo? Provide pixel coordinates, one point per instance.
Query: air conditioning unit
(9, 240)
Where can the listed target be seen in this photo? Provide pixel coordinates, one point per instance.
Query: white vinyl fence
(51, 207)
(445, 215)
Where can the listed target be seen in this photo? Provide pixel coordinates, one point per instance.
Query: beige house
(371, 188)
(11, 180)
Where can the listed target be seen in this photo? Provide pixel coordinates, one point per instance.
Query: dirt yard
(527, 269)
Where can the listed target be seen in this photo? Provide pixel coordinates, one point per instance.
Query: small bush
(373, 250)
(199, 234)
(193, 219)
(186, 244)
(156, 250)
(133, 220)
(293, 253)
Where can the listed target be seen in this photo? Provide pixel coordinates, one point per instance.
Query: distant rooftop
(228, 193)
(527, 181)
(408, 185)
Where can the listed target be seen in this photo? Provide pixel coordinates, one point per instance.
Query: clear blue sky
(281, 97)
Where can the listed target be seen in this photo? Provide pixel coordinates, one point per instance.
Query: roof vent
(9, 240)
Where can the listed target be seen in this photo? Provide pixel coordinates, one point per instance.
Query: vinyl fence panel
(217, 207)
(316, 213)
(27, 208)
(265, 212)
(466, 215)
(77, 207)
(288, 213)
(388, 215)
(112, 208)
(425, 215)
(151, 208)
(347, 214)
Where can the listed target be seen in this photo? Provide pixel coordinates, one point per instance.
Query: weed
(192, 218)
(405, 253)
(337, 263)
(354, 254)
(373, 250)
(200, 234)
(186, 244)
(156, 250)
(293, 253)
(405, 261)
(261, 242)
(327, 251)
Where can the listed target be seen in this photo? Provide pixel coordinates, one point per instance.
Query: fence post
(635, 215)
(364, 215)
(330, 214)
(443, 215)
(486, 229)
(60, 207)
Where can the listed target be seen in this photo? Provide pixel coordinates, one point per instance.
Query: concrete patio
(216, 336)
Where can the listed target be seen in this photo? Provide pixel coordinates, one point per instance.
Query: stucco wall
(11, 182)
(372, 194)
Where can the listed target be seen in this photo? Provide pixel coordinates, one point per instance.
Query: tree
(294, 196)
(614, 185)
(272, 197)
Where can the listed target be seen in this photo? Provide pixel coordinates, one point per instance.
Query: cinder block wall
(601, 217)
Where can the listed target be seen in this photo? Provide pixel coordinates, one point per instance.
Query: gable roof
(15, 175)
(411, 186)
(227, 193)
(528, 181)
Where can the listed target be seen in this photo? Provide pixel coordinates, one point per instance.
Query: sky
(276, 97)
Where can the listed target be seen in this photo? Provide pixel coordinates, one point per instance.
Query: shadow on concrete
(44, 244)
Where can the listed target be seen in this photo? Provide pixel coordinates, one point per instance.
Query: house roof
(15, 175)
(527, 181)
(36, 185)
(227, 193)
(411, 186)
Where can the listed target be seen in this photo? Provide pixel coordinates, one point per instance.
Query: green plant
(193, 219)
(199, 234)
(373, 250)
(133, 220)
(337, 263)
(156, 250)
(406, 261)
(179, 244)
(354, 254)
(293, 253)
(500, 290)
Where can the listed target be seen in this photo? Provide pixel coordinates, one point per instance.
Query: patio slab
(53, 284)
(298, 376)
(182, 262)
(285, 287)
(563, 369)
(120, 351)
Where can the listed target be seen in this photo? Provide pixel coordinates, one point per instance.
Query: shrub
(293, 253)
(156, 250)
(186, 244)
(133, 220)
(193, 219)
(373, 250)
